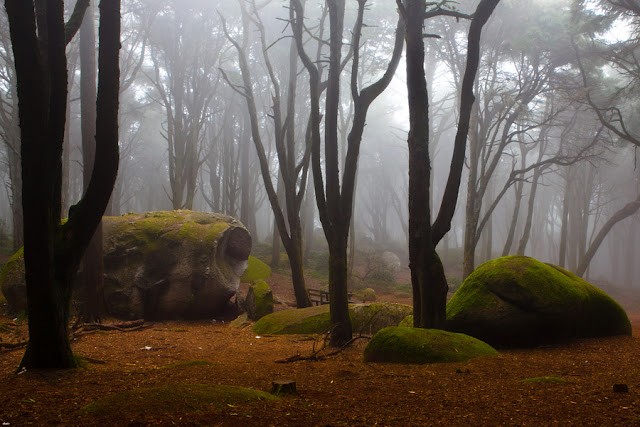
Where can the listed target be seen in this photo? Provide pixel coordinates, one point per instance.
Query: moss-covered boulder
(517, 301)
(256, 270)
(259, 300)
(365, 318)
(407, 321)
(163, 265)
(398, 344)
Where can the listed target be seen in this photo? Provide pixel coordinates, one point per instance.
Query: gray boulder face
(391, 261)
(169, 265)
(517, 301)
(173, 264)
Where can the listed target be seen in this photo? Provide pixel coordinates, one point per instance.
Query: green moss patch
(13, 272)
(259, 300)
(397, 344)
(365, 318)
(517, 301)
(311, 320)
(187, 364)
(407, 321)
(369, 318)
(173, 226)
(544, 380)
(174, 398)
(256, 270)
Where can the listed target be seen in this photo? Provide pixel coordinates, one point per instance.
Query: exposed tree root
(86, 328)
(12, 345)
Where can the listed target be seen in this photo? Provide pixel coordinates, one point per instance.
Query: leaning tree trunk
(626, 211)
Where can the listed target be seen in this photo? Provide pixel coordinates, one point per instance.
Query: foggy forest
(427, 137)
(551, 152)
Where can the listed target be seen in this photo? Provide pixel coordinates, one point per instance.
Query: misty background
(551, 154)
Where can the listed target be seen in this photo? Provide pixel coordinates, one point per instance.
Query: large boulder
(517, 301)
(163, 265)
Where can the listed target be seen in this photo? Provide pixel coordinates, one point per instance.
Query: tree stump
(283, 387)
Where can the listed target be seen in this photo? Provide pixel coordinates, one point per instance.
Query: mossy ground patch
(171, 398)
(365, 318)
(544, 380)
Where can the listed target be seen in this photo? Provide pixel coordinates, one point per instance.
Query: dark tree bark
(92, 271)
(292, 173)
(52, 251)
(335, 203)
(427, 274)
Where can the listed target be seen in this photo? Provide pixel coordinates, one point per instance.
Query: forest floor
(571, 384)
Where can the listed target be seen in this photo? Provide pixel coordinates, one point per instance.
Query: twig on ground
(316, 353)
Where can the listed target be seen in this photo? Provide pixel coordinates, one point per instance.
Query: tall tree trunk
(308, 220)
(16, 195)
(245, 197)
(52, 252)
(92, 270)
(472, 207)
(427, 274)
(564, 224)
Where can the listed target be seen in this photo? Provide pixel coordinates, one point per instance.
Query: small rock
(283, 387)
(620, 388)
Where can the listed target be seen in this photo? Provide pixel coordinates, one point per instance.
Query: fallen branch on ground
(316, 353)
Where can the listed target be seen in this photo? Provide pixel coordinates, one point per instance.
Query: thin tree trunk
(564, 225)
(514, 219)
(522, 245)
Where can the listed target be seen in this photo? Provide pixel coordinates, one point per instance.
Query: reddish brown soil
(340, 390)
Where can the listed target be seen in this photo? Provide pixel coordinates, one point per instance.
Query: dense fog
(209, 86)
